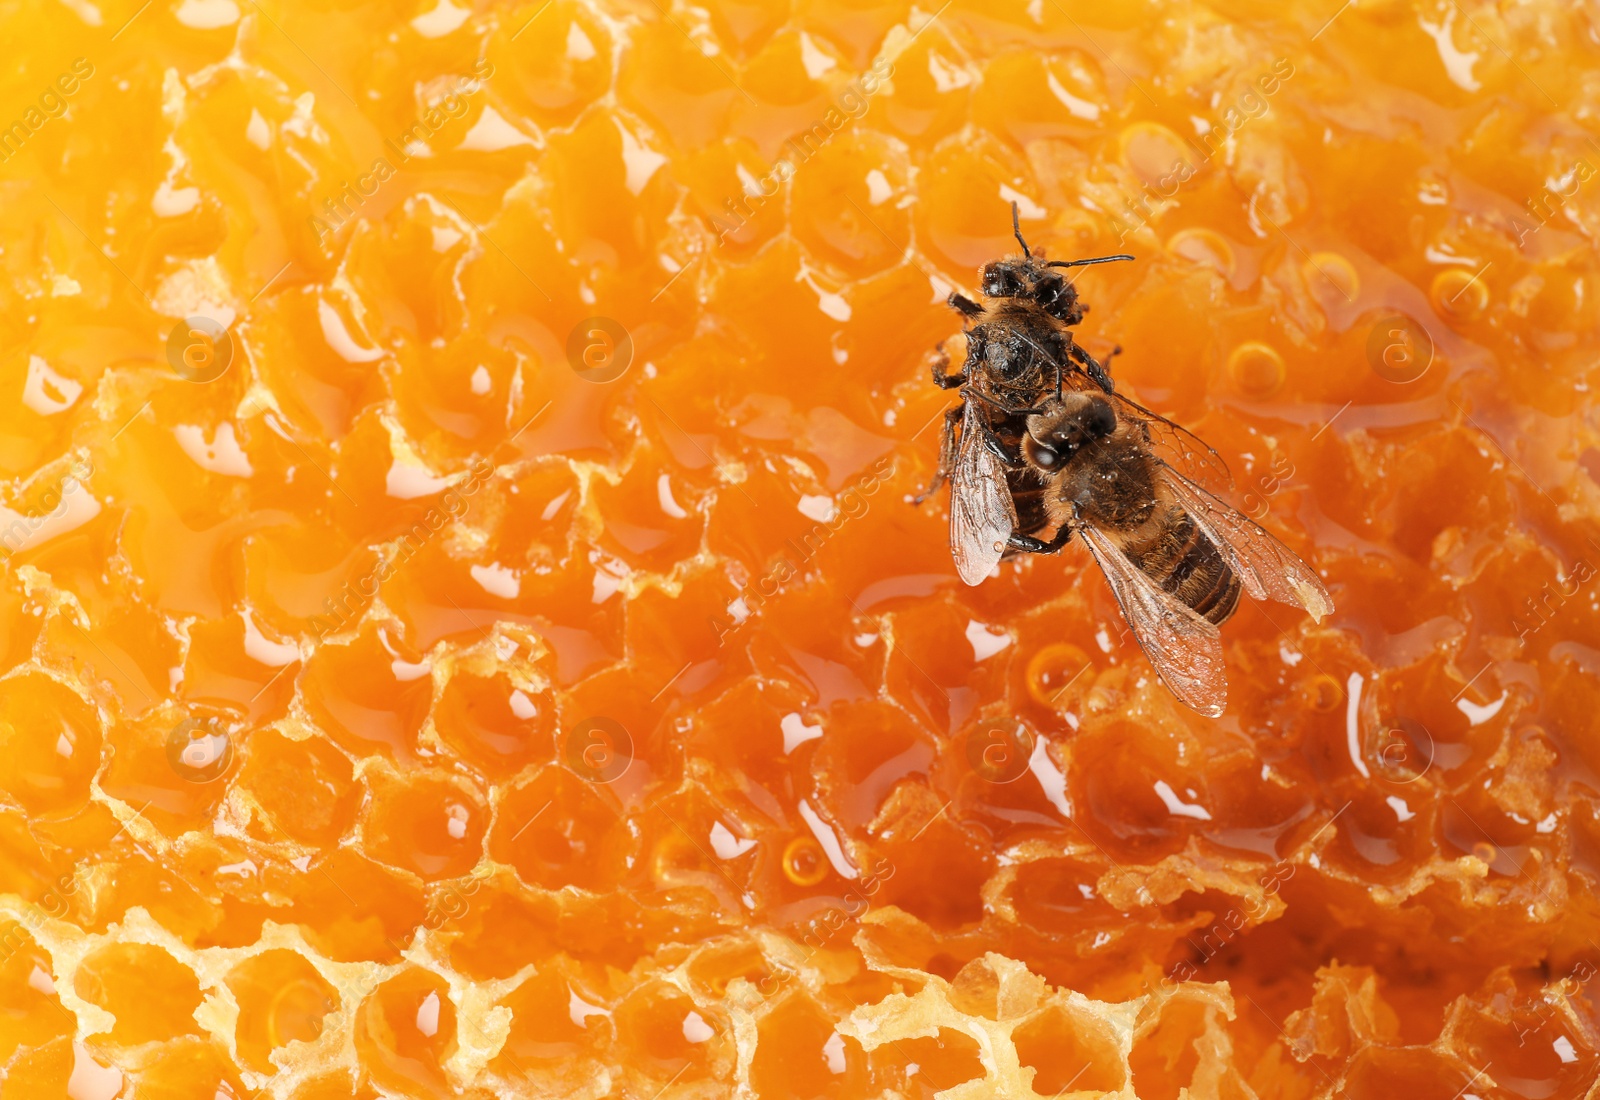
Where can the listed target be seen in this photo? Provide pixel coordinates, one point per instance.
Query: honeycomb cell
(305, 577)
(686, 93)
(931, 86)
(552, 1022)
(51, 739)
(648, 526)
(558, 830)
(62, 1067)
(924, 1067)
(426, 824)
(1057, 896)
(307, 788)
(1166, 1054)
(446, 700)
(553, 62)
(152, 995)
(963, 183)
(494, 724)
(32, 1013)
(674, 1037)
(460, 390)
(175, 765)
(1069, 1053)
(1031, 98)
(714, 970)
(1139, 799)
(947, 892)
(799, 1054)
(369, 694)
(784, 82)
(735, 189)
(192, 1067)
(282, 999)
(405, 1030)
(352, 908)
(483, 918)
(850, 198)
(608, 198)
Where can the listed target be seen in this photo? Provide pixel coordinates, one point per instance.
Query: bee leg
(947, 455)
(973, 392)
(964, 305)
(942, 376)
(1095, 370)
(998, 449)
(1029, 544)
(1062, 537)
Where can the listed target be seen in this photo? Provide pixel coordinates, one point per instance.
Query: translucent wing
(1186, 451)
(982, 515)
(1184, 649)
(1266, 567)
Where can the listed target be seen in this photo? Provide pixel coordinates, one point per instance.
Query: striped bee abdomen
(1186, 563)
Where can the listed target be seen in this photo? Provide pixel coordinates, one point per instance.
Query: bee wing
(1188, 452)
(982, 515)
(1266, 567)
(1184, 649)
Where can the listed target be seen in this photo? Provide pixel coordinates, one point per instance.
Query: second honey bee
(1080, 458)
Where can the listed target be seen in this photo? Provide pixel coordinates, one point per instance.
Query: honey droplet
(1485, 851)
(1332, 278)
(1205, 247)
(1256, 369)
(1053, 669)
(1156, 154)
(1458, 295)
(804, 862)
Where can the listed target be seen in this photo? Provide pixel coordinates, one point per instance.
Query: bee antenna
(1085, 263)
(1016, 227)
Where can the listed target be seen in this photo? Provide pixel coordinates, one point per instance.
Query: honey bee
(1046, 448)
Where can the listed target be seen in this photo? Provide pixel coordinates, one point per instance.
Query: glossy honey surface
(464, 630)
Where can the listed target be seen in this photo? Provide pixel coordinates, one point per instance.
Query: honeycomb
(465, 632)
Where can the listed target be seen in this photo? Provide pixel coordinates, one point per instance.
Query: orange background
(498, 657)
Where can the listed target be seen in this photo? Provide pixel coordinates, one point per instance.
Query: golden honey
(464, 631)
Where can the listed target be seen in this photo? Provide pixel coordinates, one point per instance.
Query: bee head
(1007, 278)
(1065, 426)
(1032, 278)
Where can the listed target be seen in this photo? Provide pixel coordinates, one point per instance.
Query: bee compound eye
(1040, 453)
